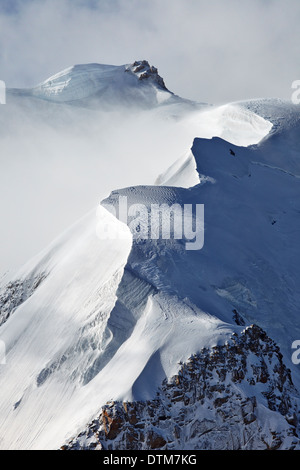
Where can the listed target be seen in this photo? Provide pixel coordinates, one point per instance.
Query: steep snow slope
(250, 252)
(245, 273)
(55, 334)
(93, 320)
(171, 302)
(61, 338)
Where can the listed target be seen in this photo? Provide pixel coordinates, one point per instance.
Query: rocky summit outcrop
(239, 395)
(145, 71)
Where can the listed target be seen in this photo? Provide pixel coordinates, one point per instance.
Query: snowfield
(92, 320)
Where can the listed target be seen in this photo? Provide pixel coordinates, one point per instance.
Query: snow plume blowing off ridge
(91, 320)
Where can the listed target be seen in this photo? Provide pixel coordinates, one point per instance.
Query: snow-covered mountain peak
(108, 83)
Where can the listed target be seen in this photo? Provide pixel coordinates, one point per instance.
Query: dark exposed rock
(148, 72)
(155, 441)
(112, 422)
(223, 398)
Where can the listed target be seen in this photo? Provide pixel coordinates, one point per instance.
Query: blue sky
(214, 51)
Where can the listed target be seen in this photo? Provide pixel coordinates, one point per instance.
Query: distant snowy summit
(136, 84)
(145, 71)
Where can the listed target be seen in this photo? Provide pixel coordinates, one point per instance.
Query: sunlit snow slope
(91, 320)
(132, 83)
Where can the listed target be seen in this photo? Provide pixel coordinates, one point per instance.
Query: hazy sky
(213, 51)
